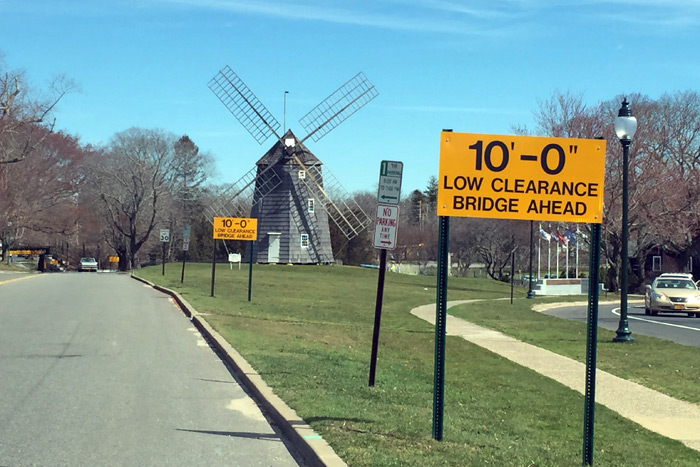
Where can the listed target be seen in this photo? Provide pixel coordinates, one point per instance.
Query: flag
(554, 236)
(544, 234)
(560, 237)
(570, 237)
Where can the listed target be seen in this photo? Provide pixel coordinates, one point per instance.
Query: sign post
(164, 238)
(385, 228)
(237, 228)
(185, 248)
(525, 178)
(591, 348)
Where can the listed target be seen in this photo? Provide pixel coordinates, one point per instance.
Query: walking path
(653, 410)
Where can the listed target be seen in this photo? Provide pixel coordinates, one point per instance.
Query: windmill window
(304, 240)
(302, 174)
(310, 205)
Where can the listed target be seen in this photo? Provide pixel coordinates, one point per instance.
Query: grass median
(308, 332)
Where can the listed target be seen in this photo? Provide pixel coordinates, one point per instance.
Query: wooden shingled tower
(289, 191)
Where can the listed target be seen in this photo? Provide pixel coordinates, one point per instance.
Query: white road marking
(616, 311)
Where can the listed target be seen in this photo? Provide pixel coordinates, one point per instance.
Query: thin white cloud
(476, 17)
(457, 17)
(398, 16)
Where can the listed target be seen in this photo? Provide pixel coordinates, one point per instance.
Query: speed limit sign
(165, 235)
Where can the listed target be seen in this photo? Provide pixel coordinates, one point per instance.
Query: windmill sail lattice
(244, 105)
(345, 101)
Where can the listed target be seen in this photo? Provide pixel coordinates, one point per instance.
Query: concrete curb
(314, 450)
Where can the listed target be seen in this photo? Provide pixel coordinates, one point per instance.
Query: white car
(88, 264)
(672, 293)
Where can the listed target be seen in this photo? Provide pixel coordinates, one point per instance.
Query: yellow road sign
(521, 177)
(235, 228)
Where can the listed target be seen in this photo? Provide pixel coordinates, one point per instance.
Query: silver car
(88, 264)
(672, 293)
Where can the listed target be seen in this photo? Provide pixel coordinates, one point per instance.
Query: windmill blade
(238, 198)
(341, 209)
(244, 105)
(336, 108)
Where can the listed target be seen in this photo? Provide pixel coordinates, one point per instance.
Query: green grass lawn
(308, 332)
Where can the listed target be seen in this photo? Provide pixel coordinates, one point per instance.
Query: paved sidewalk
(653, 410)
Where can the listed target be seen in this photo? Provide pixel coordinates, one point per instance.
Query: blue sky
(476, 66)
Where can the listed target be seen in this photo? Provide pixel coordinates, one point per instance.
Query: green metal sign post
(591, 346)
(440, 328)
(213, 268)
(251, 244)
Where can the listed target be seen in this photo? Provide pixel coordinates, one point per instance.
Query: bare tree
(664, 168)
(463, 243)
(495, 240)
(132, 179)
(25, 118)
(38, 197)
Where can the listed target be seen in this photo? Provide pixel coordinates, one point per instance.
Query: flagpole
(549, 259)
(539, 253)
(577, 256)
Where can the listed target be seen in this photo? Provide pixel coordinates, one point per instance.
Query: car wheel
(690, 315)
(654, 312)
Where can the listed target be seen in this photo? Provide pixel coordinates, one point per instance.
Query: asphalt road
(675, 327)
(100, 370)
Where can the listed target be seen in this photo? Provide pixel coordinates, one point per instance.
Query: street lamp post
(625, 126)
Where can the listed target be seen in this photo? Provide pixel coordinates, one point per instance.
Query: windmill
(289, 191)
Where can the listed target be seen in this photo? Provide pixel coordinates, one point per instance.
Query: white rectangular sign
(390, 174)
(165, 235)
(385, 226)
(186, 238)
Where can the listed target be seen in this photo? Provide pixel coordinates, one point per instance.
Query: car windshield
(675, 284)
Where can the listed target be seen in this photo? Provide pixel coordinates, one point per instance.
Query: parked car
(672, 293)
(88, 264)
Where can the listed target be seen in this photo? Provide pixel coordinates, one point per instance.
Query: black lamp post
(625, 126)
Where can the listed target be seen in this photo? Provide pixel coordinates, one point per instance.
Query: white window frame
(302, 174)
(656, 263)
(304, 241)
(310, 205)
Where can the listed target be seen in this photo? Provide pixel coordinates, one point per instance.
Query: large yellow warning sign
(521, 177)
(235, 228)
